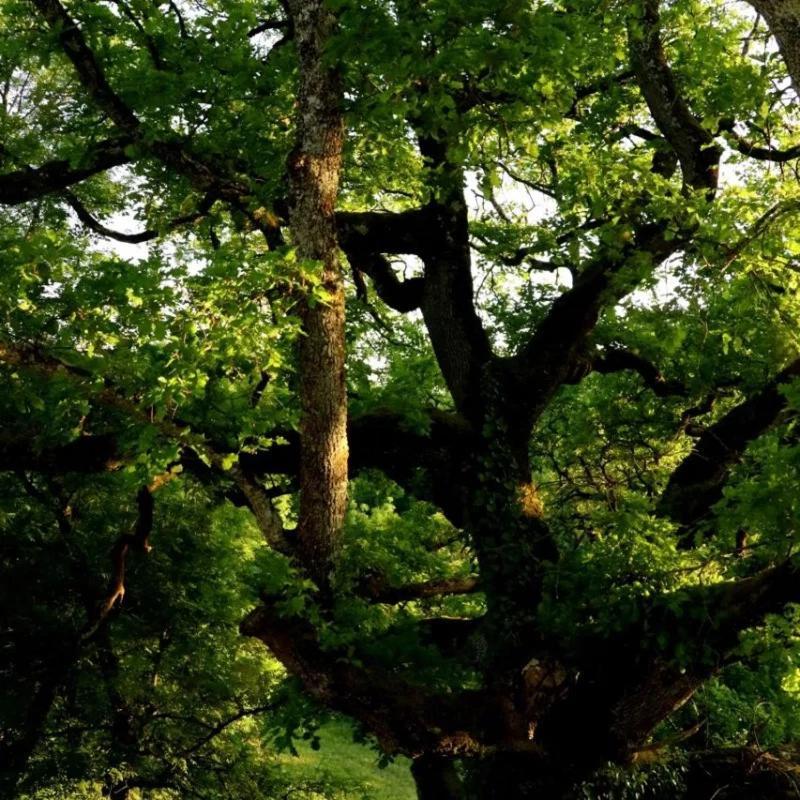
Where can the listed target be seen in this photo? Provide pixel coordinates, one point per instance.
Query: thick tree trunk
(783, 19)
(17, 747)
(507, 776)
(437, 779)
(315, 165)
(734, 774)
(503, 514)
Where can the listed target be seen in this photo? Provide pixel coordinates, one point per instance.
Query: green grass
(348, 767)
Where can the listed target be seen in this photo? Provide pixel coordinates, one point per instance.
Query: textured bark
(783, 19)
(314, 182)
(459, 341)
(663, 690)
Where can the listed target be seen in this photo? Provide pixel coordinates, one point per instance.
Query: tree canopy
(429, 365)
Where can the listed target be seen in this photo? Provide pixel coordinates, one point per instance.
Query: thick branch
(694, 146)
(697, 483)
(366, 237)
(554, 353)
(139, 540)
(83, 59)
(617, 359)
(405, 718)
(456, 332)
(84, 454)
(706, 623)
(55, 176)
(407, 232)
(95, 225)
(402, 296)
(598, 86)
(268, 25)
(381, 440)
(736, 605)
(759, 152)
(378, 592)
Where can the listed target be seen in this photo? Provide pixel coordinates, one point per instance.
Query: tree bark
(436, 778)
(783, 20)
(314, 171)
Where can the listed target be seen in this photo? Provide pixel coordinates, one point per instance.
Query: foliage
(181, 351)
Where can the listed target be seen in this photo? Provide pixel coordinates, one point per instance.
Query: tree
(573, 479)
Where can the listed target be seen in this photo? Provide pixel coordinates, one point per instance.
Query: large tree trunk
(732, 774)
(506, 776)
(314, 166)
(17, 746)
(436, 778)
(783, 19)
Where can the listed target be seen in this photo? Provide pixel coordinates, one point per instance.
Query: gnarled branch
(55, 176)
(618, 359)
(698, 481)
(95, 225)
(553, 353)
(406, 718)
(204, 173)
(138, 540)
(693, 144)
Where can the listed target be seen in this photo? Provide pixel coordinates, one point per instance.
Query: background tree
(569, 228)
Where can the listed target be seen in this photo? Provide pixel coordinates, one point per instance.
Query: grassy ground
(350, 766)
